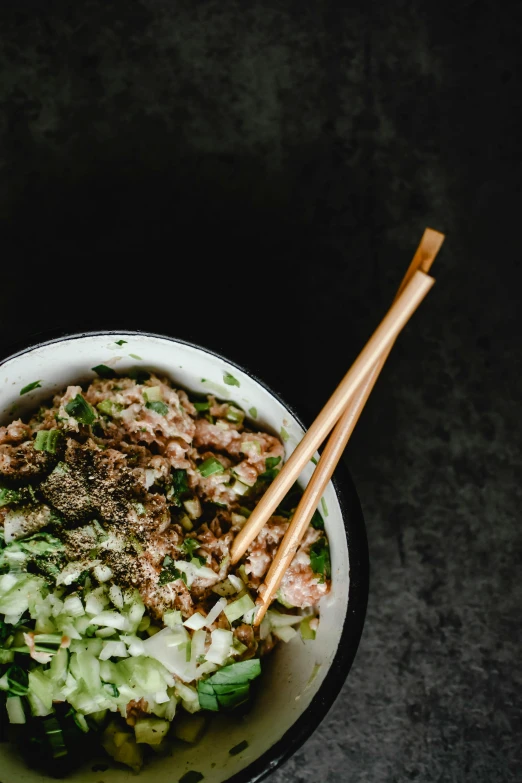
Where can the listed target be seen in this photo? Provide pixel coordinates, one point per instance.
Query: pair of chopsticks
(341, 414)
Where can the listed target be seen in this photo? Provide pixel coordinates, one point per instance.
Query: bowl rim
(358, 558)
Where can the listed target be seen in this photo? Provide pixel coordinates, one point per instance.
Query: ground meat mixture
(140, 478)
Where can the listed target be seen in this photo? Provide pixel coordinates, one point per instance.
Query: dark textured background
(255, 177)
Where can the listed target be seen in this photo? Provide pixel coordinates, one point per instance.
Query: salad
(123, 623)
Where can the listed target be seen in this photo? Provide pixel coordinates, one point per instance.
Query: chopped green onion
(48, 638)
(244, 511)
(210, 466)
(271, 462)
(193, 507)
(153, 394)
(253, 412)
(324, 506)
(320, 559)
(135, 356)
(235, 415)
(104, 372)
(47, 440)
(30, 387)
(201, 406)
(250, 445)
(313, 459)
(109, 408)
(317, 521)
(80, 410)
(158, 407)
(18, 681)
(120, 342)
(230, 380)
(238, 608)
(238, 748)
(284, 434)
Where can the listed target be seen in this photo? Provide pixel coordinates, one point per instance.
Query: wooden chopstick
(425, 254)
(392, 323)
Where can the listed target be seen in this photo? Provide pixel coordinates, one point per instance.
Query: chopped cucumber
(121, 745)
(15, 709)
(151, 731)
(190, 728)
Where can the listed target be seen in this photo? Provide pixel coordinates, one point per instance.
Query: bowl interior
(294, 673)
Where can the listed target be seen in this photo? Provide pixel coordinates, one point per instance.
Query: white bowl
(302, 678)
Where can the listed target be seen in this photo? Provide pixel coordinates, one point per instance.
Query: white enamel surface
(294, 673)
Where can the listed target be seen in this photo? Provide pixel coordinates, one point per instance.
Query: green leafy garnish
(228, 687)
(120, 342)
(18, 681)
(317, 521)
(210, 466)
(158, 407)
(320, 559)
(80, 410)
(201, 406)
(104, 372)
(253, 412)
(190, 545)
(169, 572)
(47, 440)
(270, 473)
(238, 748)
(30, 387)
(179, 487)
(230, 380)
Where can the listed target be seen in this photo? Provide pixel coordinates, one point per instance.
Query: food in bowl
(121, 613)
